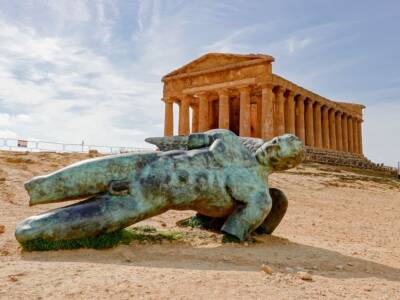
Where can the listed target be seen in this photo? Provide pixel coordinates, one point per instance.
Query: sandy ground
(341, 227)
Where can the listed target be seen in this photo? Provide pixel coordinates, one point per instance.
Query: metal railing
(40, 146)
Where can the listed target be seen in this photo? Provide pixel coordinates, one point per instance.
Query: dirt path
(341, 227)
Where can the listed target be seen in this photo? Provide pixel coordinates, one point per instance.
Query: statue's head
(281, 153)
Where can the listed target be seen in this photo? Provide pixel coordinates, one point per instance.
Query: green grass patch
(142, 234)
(192, 222)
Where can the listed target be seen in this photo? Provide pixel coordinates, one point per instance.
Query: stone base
(340, 158)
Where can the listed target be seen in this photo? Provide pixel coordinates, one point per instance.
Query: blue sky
(90, 70)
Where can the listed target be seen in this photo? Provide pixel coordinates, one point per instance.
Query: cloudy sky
(90, 70)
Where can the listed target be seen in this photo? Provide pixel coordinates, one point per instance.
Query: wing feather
(180, 142)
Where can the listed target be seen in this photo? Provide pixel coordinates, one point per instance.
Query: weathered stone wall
(340, 158)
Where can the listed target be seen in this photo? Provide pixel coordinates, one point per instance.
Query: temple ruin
(241, 93)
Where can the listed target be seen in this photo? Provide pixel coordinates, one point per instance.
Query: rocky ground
(339, 239)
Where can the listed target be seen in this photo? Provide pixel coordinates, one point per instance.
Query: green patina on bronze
(219, 175)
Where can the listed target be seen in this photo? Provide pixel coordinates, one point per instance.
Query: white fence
(39, 146)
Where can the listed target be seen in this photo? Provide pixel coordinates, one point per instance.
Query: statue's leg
(97, 215)
(279, 207)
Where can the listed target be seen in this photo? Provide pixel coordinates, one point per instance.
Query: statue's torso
(196, 179)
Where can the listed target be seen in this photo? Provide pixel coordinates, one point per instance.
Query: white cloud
(76, 10)
(233, 42)
(69, 92)
(73, 70)
(295, 45)
(160, 38)
(380, 136)
(7, 134)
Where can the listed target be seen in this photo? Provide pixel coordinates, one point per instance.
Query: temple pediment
(215, 60)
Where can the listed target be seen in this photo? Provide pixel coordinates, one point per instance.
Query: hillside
(342, 227)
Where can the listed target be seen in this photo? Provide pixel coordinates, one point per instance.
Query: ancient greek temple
(241, 93)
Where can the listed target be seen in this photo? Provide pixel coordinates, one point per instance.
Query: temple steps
(341, 158)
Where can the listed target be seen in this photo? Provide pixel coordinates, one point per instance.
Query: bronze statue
(218, 174)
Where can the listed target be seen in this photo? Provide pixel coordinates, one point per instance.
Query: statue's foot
(203, 222)
(98, 215)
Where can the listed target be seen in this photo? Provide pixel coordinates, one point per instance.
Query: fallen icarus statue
(215, 173)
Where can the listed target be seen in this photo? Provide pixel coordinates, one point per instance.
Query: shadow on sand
(279, 253)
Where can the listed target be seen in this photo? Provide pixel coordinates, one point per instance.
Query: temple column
(169, 118)
(254, 123)
(183, 128)
(279, 111)
(350, 133)
(300, 124)
(309, 123)
(290, 117)
(317, 125)
(195, 118)
(211, 113)
(203, 112)
(345, 139)
(325, 128)
(267, 110)
(332, 129)
(258, 127)
(360, 144)
(223, 117)
(244, 122)
(339, 137)
(355, 136)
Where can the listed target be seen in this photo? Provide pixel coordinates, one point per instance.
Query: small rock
(350, 264)
(246, 244)
(339, 267)
(2, 228)
(315, 268)
(305, 276)
(368, 289)
(266, 269)
(289, 269)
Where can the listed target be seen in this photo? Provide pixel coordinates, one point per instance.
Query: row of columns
(279, 111)
(327, 128)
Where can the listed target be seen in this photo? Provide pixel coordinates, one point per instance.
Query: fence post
(83, 143)
(398, 169)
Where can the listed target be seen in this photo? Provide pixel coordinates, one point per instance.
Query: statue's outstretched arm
(254, 204)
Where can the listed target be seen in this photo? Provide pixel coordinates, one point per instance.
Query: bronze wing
(180, 142)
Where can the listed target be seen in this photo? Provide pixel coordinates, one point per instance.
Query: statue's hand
(228, 238)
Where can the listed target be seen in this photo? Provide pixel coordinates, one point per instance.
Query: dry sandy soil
(342, 227)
